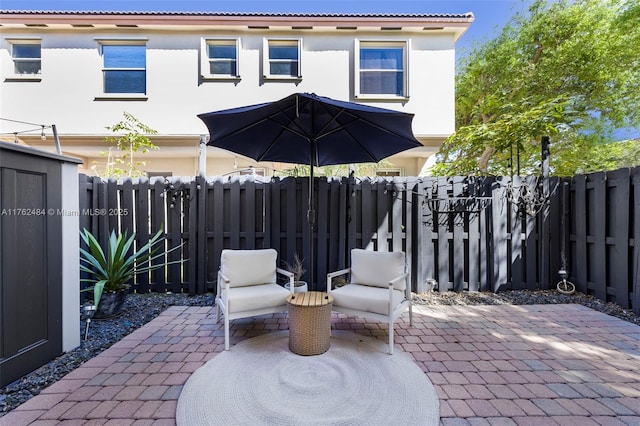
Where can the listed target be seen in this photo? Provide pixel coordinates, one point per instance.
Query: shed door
(30, 264)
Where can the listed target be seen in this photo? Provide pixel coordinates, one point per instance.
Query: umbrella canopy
(305, 128)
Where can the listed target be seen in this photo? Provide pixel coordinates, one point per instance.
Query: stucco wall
(72, 79)
(70, 92)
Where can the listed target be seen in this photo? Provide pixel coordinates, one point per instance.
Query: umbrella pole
(311, 217)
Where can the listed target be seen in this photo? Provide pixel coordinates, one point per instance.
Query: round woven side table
(309, 322)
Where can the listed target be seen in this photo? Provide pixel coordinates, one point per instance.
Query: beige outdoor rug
(260, 382)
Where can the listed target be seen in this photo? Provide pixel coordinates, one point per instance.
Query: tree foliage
(130, 138)
(566, 69)
(359, 169)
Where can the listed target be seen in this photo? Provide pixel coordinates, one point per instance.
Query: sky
(490, 15)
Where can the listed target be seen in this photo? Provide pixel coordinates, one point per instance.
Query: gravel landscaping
(140, 309)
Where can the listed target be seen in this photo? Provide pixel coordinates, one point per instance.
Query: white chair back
(249, 267)
(376, 268)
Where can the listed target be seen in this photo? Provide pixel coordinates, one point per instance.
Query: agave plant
(113, 270)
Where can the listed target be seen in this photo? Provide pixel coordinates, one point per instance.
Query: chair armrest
(392, 286)
(222, 278)
(332, 275)
(288, 275)
(398, 279)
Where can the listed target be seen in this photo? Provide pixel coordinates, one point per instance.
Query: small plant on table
(297, 269)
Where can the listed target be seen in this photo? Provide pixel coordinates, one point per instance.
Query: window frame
(252, 171)
(205, 60)
(122, 42)
(266, 59)
(158, 174)
(405, 46)
(390, 172)
(13, 75)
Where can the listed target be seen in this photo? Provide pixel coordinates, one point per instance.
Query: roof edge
(466, 15)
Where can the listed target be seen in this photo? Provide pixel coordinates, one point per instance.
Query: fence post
(544, 225)
(635, 284)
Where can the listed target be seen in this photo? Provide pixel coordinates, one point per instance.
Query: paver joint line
(511, 365)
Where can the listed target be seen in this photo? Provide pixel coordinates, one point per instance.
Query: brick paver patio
(491, 365)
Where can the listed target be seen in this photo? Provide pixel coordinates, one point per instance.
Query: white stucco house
(81, 70)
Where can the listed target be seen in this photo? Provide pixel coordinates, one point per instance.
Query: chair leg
(226, 332)
(391, 337)
(411, 315)
(217, 311)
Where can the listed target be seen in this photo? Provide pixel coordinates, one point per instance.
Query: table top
(310, 299)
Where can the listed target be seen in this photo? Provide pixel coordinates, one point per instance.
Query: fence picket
(459, 220)
(216, 237)
(598, 229)
(499, 242)
(578, 266)
(487, 247)
(199, 198)
(249, 218)
(484, 229)
(619, 249)
(159, 205)
(190, 206)
(403, 230)
(175, 198)
(142, 220)
(635, 268)
(322, 232)
(441, 223)
(112, 204)
(555, 237)
(515, 231)
(344, 238)
(423, 245)
(125, 209)
(337, 221)
(473, 240)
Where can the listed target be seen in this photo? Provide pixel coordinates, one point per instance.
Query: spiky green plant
(112, 271)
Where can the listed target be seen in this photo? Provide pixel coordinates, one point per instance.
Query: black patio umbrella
(305, 128)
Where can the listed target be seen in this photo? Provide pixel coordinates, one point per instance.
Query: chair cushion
(377, 268)
(251, 298)
(366, 298)
(249, 267)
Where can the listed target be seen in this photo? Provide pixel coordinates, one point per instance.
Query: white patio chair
(379, 288)
(247, 286)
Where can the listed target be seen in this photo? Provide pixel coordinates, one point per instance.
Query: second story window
(27, 59)
(381, 69)
(124, 68)
(220, 58)
(282, 58)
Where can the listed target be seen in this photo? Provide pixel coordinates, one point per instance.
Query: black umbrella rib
(373, 124)
(284, 128)
(342, 127)
(386, 131)
(355, 118)
(260, 121)
(300, 132)
(246, 127)
(334, 118)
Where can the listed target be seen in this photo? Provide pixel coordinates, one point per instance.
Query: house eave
(457, 23)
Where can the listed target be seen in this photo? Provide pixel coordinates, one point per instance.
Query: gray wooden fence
(466, 233)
